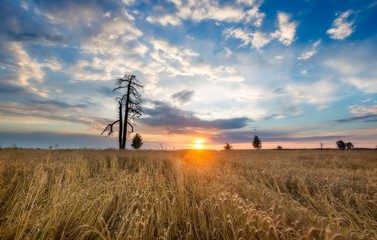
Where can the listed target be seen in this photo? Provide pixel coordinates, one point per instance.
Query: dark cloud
(164, 115)
(279, 90)
(16, 26)
(48, 104)
(366, 118)
(37, 36)
(6, 88)
(183, 96)
(45, 139)
(53, 110)
(268, 136)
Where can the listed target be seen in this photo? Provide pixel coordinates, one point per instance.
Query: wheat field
(110, 194)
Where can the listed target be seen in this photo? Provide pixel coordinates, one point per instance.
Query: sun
(198, 144)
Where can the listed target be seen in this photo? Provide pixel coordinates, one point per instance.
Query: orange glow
(198, 144)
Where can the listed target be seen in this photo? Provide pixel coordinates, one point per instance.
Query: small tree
(349, 145)
(137, 141)
(279, 148)
(321, 144)
(341, 145)
(228, 146)
(257, 143)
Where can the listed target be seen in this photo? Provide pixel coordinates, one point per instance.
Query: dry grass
(87, 194)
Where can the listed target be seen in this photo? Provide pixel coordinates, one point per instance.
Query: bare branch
(109, 128)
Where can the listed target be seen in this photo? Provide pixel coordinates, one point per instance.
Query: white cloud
(363, 110)
(165, 20)
(305, 55)
(210, 10)
(25, 67)
(365, 84)
(341, 28)
(257, 39)
(355, 67)
(106, 15)
(239, 33)
(28, 72)
(260, 39)
(53, 64)
(320, 93)
(287, 29)
(250, 2)
(118, 26)
(128, 2)
(255, 15)
(227, 13)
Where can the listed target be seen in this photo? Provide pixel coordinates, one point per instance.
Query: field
(109, 194)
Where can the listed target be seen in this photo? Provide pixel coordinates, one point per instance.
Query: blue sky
(295, 73)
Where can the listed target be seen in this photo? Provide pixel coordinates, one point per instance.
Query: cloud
(268, 136)
(53, 111)
(198, 11)
(362, 113)
(256, 40)
(305, 55)
(46, 139)
(6, 88)
(165, 20)
(320, 93)
(16, 27)
(363, 110)
(355, 66)
(365, 118)
(174, 119)
(341, 27)
(255, 16)
(287, 29)
(26, 67)
(183, 96)
(260, 39)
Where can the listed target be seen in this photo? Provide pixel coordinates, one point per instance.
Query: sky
(295, 73)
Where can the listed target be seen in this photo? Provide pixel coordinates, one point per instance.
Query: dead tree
(131, 101)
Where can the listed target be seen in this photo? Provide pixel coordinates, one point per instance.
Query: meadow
(191, 194)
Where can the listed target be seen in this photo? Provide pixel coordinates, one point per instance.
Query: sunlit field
(197, 194)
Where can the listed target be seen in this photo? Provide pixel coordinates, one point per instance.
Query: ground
(188, 194)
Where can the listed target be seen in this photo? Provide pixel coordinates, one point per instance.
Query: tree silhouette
(279, 148)
(257, 143)
(341, 145)
(137, 141)
(131, 102)
(349, 145)
(228, 146)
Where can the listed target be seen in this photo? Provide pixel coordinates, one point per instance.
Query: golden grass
(93, 194)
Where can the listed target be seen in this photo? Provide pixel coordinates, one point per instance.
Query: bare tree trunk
(125, 123)
(120, 124)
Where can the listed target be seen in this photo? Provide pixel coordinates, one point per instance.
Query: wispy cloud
(307, 54)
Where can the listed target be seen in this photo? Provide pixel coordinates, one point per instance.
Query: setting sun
(198, 144)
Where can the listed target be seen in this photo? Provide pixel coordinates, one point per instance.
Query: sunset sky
(295, 72)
